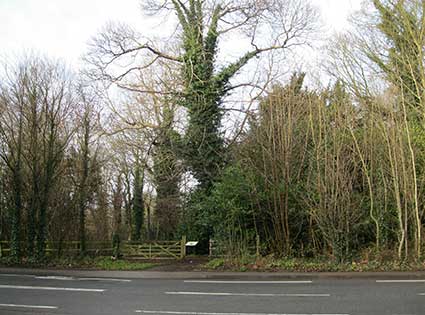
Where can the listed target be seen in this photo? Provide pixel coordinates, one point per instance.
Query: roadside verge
(212, 274)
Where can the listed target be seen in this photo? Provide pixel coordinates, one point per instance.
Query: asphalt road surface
(79, 295)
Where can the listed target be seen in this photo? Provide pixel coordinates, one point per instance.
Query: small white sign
(192, 243)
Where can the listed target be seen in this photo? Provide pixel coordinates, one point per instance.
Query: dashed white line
(24, 287)
(64, 278)
(209, 313)
(249, 282)
(54, 278)
(401, 281)
(104, 279)
(80, 279)
(30, 306)
(15, 275)
(250, 294)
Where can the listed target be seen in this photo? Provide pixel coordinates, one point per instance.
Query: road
(85, 295)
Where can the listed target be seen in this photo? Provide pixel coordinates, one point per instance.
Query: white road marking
(421, 294)
(63, 278)
(208, 313)
(30, 306)
(80, 279)
(250, 294)
(15, 275)
(24, 287)
(249, 282)
(104, 279)
(55, 278)
(401, 281)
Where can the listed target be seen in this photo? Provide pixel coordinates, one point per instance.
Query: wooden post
(257, 245)
(1, 250)
(150, 250)
(210, 243)
(183, 247)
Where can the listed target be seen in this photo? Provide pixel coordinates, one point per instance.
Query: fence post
(257, 245)
(183, 247)
(150, 250)
(1, 251)
(210, 249)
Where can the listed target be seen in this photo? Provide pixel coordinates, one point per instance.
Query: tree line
(158, 139)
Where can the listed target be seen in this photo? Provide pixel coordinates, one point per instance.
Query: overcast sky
(62, 28)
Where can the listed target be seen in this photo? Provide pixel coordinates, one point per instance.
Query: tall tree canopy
(204, 81)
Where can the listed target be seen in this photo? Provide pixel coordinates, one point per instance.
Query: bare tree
(11, 132)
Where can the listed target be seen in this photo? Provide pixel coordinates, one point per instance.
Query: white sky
(62, 28)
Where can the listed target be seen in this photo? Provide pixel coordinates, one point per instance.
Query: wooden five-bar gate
(155, 249)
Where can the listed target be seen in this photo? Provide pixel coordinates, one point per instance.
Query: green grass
(97, 263)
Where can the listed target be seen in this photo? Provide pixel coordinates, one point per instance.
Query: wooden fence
(66, 247)
(129, 249)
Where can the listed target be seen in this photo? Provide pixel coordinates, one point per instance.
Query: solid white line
(24, 287)
(30, 306)
(249, 294)
(400, 281)
(207, 313)
(421, 294)
(249, 282)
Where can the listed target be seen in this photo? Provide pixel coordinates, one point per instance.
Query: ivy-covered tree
(264, 25)
(87, 124)
(35, 132)
(138, 202)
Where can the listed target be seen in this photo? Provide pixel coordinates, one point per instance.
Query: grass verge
(309, 265)
(95, 263)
